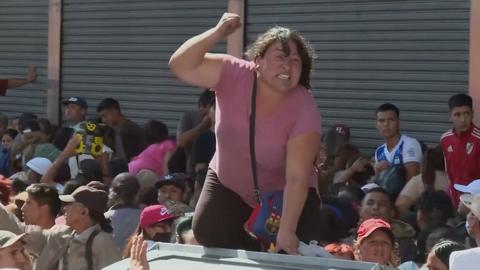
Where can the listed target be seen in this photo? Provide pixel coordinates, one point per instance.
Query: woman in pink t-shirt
(155, 157)
(287, 134)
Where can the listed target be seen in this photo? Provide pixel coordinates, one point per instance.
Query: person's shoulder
(446, 135)
(409, 140)
(238, 62)
(130, 126)
(462, 256)
(380, 148)
(169, 143)
(476, 133)
(58, 230)
(234, 67)
(103, 239)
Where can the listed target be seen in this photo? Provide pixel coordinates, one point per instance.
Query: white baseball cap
(473, 187)
(39, 165)
(472, 202)
(369, 186)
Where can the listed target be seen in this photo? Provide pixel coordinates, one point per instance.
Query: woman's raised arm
(192, 63)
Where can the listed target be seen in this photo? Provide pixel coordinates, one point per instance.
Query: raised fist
(228, 24)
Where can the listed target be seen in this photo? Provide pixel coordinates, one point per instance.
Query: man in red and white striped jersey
(461, 145)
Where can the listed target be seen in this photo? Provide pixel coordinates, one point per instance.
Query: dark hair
(385, 107)
(108, 103)
(178, 161)
(345, 213)
(354, 194)
(435, 206)
(11, 132)
(422, 250)
(61, 138)
(46, 127)
(91, 170)
(24, 118)
(443, 250)
(63, 173)
(126, 187)
(432, 161)
(206, 98)
(460, 100)
(33, 125)
(283, 35)
(100, 218)
(380, 190)
(18, 186)
(184, 225)
(348, 153)
(148, 196)
(155, 131)
(45, 194)
(70, 187)
(117, 166)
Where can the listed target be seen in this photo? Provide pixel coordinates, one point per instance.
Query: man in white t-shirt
(398, 149)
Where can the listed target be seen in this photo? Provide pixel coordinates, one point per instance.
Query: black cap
(29, 126)
(76, 100)
(176, 179)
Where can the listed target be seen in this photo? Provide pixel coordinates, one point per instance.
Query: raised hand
(32, 73)
(228, 24)
(138, 254)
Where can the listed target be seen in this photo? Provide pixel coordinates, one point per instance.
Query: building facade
(413, 53)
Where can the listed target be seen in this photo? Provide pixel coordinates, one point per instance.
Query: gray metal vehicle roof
(185, 257)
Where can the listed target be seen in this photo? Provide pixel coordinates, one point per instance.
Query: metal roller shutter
(412, 53)
(120, 49)
(24, 40)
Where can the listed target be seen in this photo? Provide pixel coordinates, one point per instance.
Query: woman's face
(434, 263)
(13, 257)
(279, 71)
(376, 248)
(7, 141)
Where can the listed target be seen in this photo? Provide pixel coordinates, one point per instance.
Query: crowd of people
(93, 191)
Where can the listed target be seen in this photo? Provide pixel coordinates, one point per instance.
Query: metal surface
(121, 48)
(184, 257)
(412, 53)
(23, 32)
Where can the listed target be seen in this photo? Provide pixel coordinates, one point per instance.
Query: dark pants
(220, 216)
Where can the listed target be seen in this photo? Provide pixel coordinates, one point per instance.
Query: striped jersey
(462, 158)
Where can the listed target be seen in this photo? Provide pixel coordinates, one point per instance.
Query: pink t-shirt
(298, 114)
(152, 158)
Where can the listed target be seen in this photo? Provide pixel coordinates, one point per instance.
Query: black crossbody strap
(251, 136)
(89, 251)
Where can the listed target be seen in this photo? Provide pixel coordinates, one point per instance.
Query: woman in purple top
(287, 134)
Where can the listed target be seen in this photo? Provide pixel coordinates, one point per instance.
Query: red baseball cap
(372, 224)
(153, 214)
